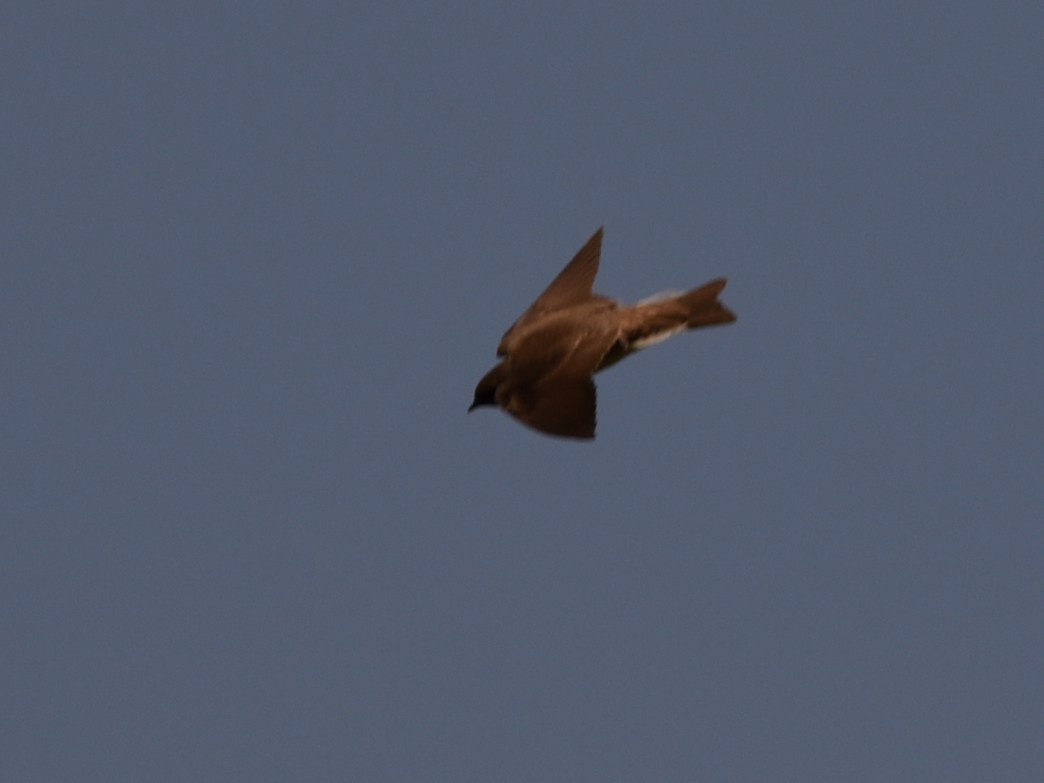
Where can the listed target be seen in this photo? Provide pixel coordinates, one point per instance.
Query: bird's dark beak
(472, 407)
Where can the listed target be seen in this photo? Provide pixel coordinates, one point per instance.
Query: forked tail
(703, 308)
(655, 319)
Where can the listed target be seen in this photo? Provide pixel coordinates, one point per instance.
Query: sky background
(257, 255)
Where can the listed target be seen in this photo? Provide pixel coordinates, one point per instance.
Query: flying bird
(551, 353)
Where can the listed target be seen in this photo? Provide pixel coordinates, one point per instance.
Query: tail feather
(703, 307)
(654, 320)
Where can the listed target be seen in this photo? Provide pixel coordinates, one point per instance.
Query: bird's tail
(702, 306)
(655, 319)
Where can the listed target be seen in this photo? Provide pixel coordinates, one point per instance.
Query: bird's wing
(573, 285)
(562, 407)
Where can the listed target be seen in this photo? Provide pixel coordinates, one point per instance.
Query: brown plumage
(551, 353)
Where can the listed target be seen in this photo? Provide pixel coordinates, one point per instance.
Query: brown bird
(551, 353)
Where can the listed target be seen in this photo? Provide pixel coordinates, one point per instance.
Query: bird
(550, 354)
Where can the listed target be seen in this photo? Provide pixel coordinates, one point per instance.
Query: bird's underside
(551, 353)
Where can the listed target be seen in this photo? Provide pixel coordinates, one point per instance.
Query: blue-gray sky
(256, 256)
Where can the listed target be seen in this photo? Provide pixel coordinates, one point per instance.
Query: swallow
(549, 356)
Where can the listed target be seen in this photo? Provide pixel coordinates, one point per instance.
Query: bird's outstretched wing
(573, 285)
(562, 407)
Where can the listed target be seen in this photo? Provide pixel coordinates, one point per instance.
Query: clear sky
(256, 257)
